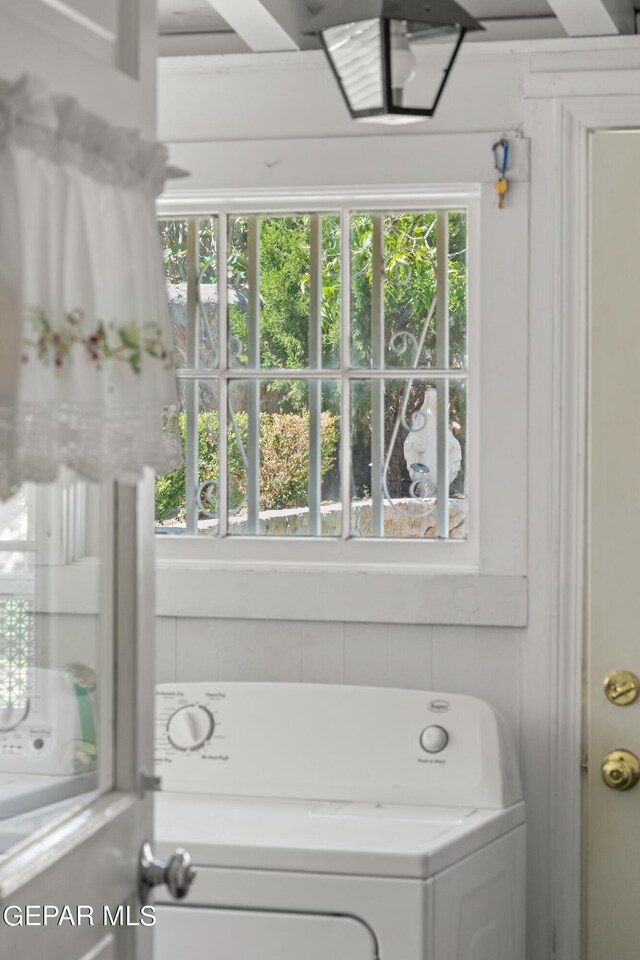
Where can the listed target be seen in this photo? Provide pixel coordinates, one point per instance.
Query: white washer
(47, 746)
(338, 823)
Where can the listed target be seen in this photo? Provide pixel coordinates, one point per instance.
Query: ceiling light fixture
(370, 45)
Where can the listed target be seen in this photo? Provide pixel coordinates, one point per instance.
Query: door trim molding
(573, 120)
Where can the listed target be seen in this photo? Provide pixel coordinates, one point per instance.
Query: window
(322, 369)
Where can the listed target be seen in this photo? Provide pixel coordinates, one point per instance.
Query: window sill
(373, 593)
(350, 593)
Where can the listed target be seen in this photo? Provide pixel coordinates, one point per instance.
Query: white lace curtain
(86, 377)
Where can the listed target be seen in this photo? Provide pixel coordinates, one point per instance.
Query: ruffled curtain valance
(86, 378)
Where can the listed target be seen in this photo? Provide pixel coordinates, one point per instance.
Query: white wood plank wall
(480, 661)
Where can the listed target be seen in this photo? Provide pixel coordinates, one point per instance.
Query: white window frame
(359, 579)
(356, 549)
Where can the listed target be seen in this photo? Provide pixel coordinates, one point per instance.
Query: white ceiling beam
(293, 16)
(593, 18)
(264, 25)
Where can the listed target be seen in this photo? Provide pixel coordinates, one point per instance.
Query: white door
(613, 592)
(99, 600)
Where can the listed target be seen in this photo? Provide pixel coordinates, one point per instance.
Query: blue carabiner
(501, 167)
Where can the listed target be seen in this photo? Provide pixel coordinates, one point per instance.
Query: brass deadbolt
(620, 770)
(621, 687)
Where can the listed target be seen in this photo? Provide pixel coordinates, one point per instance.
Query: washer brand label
(439, 706)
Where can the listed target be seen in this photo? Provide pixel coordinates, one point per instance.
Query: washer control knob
(434, 739)
(190, 727)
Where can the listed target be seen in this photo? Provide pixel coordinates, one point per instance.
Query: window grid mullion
(364, 373)
(442, 386)
(192, 390)
(223, 393)
(345, 370)
(253, 388)
(377, 386)
(315, 386)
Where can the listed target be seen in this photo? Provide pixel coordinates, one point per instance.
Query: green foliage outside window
(284, 461)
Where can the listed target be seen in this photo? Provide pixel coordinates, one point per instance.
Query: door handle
(177, 873)
(620, 770)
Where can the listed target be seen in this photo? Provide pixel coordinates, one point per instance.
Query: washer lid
(324, 837)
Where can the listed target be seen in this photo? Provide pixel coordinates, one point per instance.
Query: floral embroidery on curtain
(86, 377)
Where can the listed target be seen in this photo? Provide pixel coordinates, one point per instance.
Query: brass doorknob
(621, 687)
(621, 770)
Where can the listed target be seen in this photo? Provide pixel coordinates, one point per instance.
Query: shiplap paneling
(322, 652)
(196, 650)
(480, 661)
(166, 649)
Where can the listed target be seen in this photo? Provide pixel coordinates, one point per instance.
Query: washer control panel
(323, 742)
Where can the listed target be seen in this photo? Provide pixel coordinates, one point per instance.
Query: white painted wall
(500, 90)
(276, 96)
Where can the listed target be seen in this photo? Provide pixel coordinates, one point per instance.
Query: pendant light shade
(371, 47)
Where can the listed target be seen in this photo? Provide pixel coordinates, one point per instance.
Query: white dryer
(338, 823)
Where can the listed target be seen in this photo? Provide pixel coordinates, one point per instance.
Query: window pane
(458, 290)
(187, 498)
(205, 457)
(403, 502)
(283, 458)
(361, 225)
(190, 259)
(173, 235)
(207, 304)
(55, 705)
(394, 282)
(330, 296)
(285, 288)
(284, 291)
(239, 289)
(170, 510)
(410, 258)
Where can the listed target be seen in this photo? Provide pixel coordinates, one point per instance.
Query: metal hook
(503, 144)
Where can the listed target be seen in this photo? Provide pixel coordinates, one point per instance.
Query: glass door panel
(55, 653)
